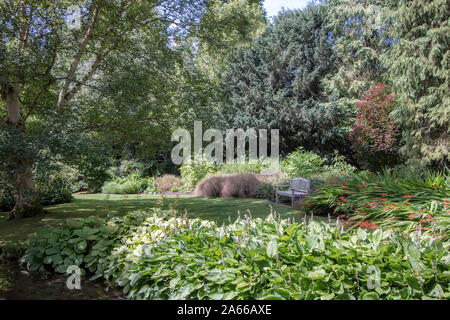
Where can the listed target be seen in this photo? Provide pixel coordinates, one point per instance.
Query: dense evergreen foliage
(277, 83)
(418, 70)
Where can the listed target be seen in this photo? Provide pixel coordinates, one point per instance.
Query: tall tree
(278, 83)
(418, 70)
(359, 29)
(45, 64)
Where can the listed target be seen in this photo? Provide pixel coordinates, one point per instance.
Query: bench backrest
(300, 184)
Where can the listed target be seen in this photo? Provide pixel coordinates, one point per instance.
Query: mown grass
(216, 209)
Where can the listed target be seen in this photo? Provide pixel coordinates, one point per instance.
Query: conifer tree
(418, 70)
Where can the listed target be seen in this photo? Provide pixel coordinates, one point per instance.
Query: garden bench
(298, 188)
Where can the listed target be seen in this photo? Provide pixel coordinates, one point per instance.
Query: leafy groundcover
(157, 255)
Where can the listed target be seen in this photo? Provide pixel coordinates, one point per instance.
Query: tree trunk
(26, 202)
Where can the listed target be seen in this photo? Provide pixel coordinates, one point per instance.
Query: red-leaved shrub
(375, 133)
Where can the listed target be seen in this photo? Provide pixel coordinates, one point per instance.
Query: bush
(266, 190)
(52, 187)
(153, 257)
(6, 193)
(128, 167)
(302, 163)
(131, 184)
(192, 172)
(375, 133)
(168, 182)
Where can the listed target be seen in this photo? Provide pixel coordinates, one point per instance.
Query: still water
(16, 283)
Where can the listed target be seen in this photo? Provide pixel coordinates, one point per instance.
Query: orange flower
(408, 196)
(412, 216)
(363, 224)
(372, 225)
(384, 194)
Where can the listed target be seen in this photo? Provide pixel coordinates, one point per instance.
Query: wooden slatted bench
(298, 188)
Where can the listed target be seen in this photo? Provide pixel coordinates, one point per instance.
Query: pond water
(16, 283)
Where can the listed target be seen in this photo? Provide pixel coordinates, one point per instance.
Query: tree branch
(81, 48)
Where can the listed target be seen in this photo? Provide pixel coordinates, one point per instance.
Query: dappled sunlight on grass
(102, 205)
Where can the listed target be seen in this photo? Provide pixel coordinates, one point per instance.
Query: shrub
(375, 133)
(265, 190)
(168, 182)
(154, 257)
(338, 163)
(6, 195)
(52, 187)
(131, 184)
(192, 172)
(241, 185)
(128, 167)
(302, 163)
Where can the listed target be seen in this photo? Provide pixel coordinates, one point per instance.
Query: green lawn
(216, 209)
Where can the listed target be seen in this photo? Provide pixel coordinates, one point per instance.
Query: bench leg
(276, 198)
(292, 202)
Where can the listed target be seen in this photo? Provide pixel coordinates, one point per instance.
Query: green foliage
(153, 256)
(301, 163)
(53, 186)
(359, 30)
(130, 184)
(192, 172)
(82, 242)
(266, 190)
(226, 26)
(400, 199)
(417, 69)
(54, 189)
(127, 167)
(6, 195)
(278, 83)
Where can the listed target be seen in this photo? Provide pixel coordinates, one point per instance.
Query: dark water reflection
(44, 286)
